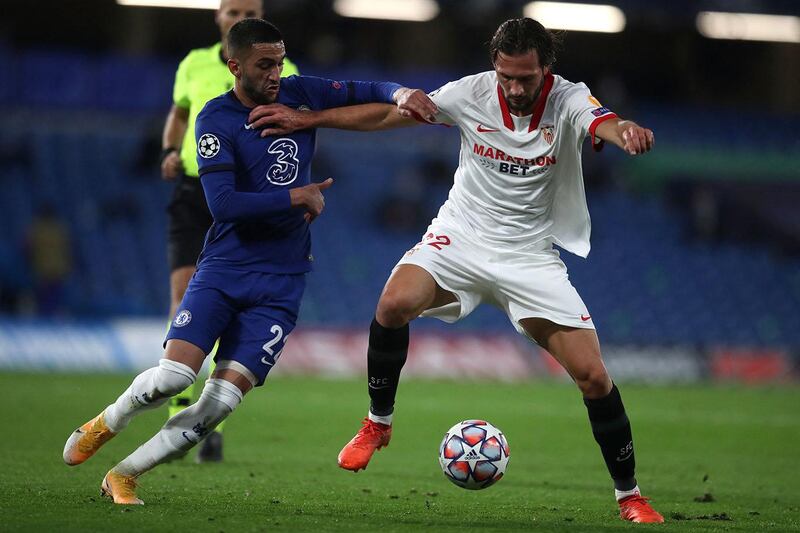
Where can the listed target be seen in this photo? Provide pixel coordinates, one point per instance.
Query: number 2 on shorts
(278, 332)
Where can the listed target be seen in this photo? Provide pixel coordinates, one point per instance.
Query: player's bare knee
(172, 377)
(395, 310)
(594, 382)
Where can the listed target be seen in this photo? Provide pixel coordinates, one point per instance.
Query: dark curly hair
(519, 36)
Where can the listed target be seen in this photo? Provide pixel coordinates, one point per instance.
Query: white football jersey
(519, 179)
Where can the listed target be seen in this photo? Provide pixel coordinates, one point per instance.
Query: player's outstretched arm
(412, 105)
(626, 134)
(277, 119)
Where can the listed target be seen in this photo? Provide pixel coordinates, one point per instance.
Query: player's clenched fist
(311, 198)
(637, 140)
(414, 103)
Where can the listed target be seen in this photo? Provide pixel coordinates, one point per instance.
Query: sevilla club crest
(547, 133)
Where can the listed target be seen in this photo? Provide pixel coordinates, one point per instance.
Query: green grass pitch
(738, 447)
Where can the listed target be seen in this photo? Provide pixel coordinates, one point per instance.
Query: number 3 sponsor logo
(284, 170)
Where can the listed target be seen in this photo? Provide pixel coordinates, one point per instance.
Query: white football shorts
(528, 284)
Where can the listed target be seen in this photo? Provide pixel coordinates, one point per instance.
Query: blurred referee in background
(202, 75)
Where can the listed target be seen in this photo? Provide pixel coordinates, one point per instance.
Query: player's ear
(235, 67)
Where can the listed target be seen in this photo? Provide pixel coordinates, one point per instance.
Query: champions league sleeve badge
(208, 146)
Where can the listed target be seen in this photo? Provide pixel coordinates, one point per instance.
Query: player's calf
(185, 430)
(150, 389)
(386, 355)
(612, 431)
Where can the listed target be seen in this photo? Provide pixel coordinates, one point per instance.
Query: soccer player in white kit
(518, 191)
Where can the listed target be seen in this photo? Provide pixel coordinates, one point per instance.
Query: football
(474, 454)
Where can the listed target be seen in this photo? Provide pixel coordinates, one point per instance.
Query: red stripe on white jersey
(538, 109)
(596, 122)
(507, 120)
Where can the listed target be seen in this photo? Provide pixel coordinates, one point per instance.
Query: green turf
(738, 445)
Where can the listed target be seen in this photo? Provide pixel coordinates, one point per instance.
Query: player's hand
(277, 119)
(311, 198)
(414, 103)
(637, 140)
(171, 166)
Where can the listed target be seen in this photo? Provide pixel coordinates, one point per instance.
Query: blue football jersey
(247, 178)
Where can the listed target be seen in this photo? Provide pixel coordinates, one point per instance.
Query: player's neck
(242, 97)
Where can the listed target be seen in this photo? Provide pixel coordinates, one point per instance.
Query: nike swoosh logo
(620, 459)
(193, 442)
(585, 317)
(482, 129)
(248, 126)
(264, 360)
(373, 387)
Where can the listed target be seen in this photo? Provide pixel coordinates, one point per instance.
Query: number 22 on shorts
(278, 332)
(436, 241)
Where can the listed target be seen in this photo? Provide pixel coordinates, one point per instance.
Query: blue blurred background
(695, 245)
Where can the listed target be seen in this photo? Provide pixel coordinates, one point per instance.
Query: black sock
(386, 355)
(612, 431)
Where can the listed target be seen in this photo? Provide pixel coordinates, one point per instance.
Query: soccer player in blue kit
(251, 272)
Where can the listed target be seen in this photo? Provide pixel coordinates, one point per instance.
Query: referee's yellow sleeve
(180, 91)
(289, 69)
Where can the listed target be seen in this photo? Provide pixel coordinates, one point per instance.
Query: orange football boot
(636, 509)
(357, 453)
(120, 488)
(86, 440)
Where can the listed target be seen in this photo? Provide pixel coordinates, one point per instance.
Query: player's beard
(258, 94)
(525, 105)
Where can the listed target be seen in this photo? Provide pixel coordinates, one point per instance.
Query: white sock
(184, 430)
(386, 419)
(622, 494)
(150, 389)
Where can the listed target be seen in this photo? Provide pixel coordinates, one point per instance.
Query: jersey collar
(538, 109)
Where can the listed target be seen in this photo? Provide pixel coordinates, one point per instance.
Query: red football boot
(636, 509)
(357, 453)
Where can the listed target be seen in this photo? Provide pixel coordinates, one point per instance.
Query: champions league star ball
(474, 454)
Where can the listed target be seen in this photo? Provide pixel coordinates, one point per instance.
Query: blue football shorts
(251, 313)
